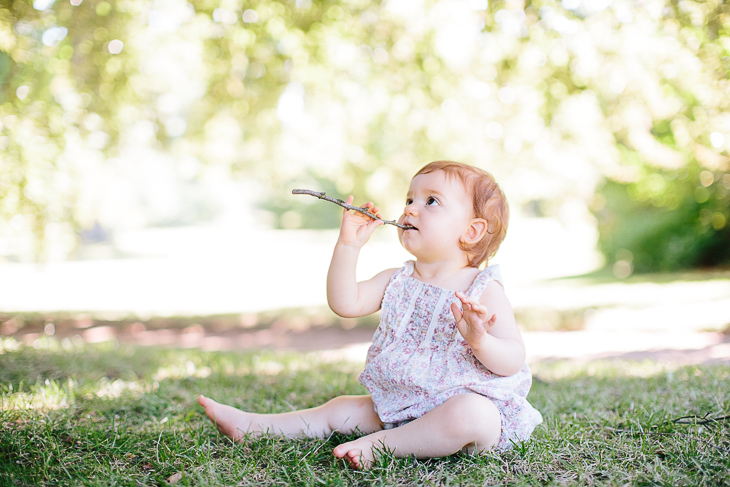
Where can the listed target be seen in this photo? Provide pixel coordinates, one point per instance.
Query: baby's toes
(354, 458)
(206, 402)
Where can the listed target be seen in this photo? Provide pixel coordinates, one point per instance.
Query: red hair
(489, 203)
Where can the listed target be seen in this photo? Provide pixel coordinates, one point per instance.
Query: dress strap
(486, 276)
(404, 271)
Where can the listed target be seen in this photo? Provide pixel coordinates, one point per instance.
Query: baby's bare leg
(467, 420)
(344, 413)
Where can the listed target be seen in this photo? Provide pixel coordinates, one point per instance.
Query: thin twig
(656, 433)
(698, 420)
(323, 196)
(703, 419)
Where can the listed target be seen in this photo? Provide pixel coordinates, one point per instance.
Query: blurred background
(148, 149)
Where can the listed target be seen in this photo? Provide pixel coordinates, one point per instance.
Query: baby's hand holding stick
(364, 211)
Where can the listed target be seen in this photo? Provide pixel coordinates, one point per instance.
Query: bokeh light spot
(43, 4)
(380, 56)
(224, 16)
(717, 139)
(507, 95)
(103, 9)
(622, 269)
(355, 154)
(115, 46)
(706, 178)
(250, 16)
(701, 194)
(22, 92)
(175, 127)
(53, 36)
(706, 216)
(290, 108)
(718, 221)
(66, 53)
(625, 255)
(494, 130)
(617, 84)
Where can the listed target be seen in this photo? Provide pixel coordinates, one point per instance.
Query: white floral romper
(419, 359)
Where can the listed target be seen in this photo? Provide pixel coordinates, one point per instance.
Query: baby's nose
(410, 210)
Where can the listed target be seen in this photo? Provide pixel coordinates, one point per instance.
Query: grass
(76, 414)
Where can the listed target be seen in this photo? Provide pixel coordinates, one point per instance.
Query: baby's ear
(475, 231)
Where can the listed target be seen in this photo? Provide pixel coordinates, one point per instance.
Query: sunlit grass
(104, 414)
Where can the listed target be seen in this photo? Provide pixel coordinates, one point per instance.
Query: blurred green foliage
(52, 89)
(673, 218)
(666, 220)
(554, 98)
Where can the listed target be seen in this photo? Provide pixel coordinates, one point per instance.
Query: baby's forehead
(437, 181)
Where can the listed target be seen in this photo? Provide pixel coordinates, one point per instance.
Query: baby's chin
(406, 241)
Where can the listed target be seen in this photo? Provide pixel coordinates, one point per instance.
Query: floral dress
(419, 359)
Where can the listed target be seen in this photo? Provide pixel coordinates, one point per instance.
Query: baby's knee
(348, 412)
(341, 403)
(475, 415)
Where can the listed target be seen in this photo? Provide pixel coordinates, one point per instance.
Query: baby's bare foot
(230, 421)
(358, 453)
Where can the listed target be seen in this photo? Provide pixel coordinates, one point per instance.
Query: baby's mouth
(409, 226)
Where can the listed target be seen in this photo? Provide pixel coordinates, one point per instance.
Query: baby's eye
(408, 201)
(431, 201)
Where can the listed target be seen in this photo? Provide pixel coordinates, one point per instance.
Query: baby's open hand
(474, 321)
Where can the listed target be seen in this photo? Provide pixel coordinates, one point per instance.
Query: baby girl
(446, 371)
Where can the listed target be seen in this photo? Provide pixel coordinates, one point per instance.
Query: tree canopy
(610, 107)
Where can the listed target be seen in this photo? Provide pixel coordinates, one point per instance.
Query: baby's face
(441, 209)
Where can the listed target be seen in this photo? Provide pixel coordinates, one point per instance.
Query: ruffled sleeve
(486, 276)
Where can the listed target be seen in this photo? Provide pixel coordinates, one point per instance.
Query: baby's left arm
(489, 327)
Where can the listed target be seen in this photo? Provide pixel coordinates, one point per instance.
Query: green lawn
(74, 414)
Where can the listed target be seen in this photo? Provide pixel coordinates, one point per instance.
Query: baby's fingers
(371, 208)
(471, 304)
(458, 315)
(465, 299)
(349, 201)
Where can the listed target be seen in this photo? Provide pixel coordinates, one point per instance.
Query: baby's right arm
(347, 297)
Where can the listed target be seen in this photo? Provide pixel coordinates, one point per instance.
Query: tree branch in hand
(323, 196)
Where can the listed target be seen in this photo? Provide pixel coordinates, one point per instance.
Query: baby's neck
(446, 274)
